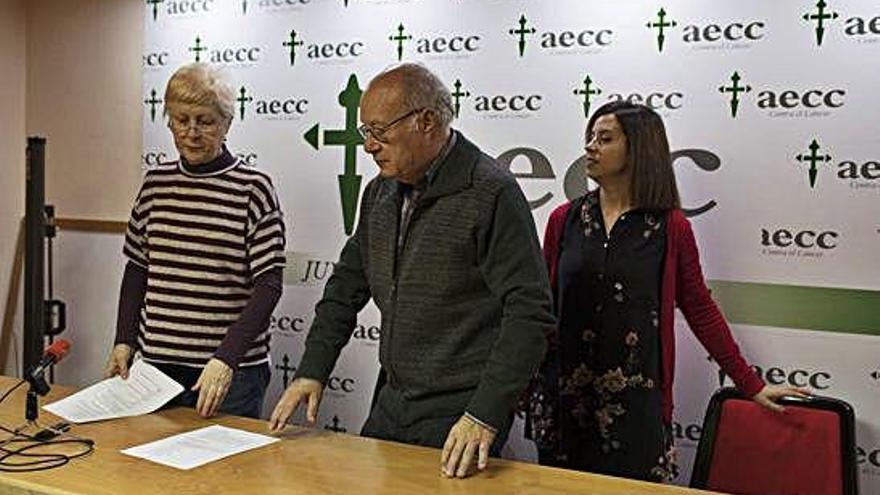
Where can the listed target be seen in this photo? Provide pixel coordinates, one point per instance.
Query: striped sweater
(203, 234)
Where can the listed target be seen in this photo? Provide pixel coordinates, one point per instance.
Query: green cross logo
(152, 101)
(292, 44)
(155, 5)
(734, 89)
(813, 158)
(820, 17)
(661, 24)
(286, 369)
(243, 99)
(457, 95)
(198, 49)
(335, 427)
(350, 139)
(399, 38)
(522, 31)
(588, 90)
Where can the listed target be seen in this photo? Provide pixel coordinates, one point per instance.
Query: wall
(12, 152)
(83, 84)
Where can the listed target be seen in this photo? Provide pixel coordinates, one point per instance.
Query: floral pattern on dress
(667, 468)
(606, 372)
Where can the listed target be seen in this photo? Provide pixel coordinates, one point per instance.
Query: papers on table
(198, 447)
(145, 390)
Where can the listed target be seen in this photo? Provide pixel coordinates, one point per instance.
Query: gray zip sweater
(465, 300)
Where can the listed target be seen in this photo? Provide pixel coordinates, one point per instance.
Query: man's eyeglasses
(378, 132)
(182, 124)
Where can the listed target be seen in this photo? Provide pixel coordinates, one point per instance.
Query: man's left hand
(465, 439)
(212, 385)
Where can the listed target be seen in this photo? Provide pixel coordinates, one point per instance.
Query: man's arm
(345, 294)
(513, 267)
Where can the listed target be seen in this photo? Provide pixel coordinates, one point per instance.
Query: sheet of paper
(195, 448)
(145, 390)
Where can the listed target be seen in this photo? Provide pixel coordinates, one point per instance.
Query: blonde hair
(201, 84)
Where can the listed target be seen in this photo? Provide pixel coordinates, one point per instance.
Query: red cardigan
(683, 286)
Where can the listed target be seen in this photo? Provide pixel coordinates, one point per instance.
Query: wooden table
(305, 462)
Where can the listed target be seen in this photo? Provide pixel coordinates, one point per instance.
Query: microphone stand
(32, 445)
(37, 386)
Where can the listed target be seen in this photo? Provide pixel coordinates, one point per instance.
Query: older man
(446, 247)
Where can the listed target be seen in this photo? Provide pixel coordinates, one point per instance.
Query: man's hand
(464, 440)
(301, 389)
(212, 385)
(120, 358)
(768, 395)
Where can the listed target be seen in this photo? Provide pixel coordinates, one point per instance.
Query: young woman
(621, 258)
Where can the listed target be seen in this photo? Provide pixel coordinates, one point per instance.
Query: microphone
(53, 354)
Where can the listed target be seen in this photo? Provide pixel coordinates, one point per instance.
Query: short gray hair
(421, 88)
(201, 84)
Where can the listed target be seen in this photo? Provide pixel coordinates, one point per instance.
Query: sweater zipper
(400, 248)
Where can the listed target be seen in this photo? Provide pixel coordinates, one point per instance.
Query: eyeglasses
(601, 138)
(378, 132)
(183, 123)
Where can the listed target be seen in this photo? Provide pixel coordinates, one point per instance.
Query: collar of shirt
(223, 160)
(428, 178)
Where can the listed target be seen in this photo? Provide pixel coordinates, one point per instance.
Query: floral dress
(596, 406)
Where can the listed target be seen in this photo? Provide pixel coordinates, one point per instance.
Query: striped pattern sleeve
(135, 247)
(266, 233)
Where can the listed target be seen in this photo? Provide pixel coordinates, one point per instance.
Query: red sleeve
(552, 238)
(704, 317)
(550, 248)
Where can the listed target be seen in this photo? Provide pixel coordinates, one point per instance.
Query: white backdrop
(777, 242)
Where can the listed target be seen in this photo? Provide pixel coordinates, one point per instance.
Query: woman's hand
(212, 385)
(770, 395)
(120, 358)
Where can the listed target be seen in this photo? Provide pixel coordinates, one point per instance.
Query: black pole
(50, 234)
(34, 276)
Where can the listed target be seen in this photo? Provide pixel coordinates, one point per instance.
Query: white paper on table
(195, 448)
(145, 390)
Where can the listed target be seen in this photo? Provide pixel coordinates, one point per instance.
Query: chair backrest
(746, 449)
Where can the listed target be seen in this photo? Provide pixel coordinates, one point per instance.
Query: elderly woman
(621, 258)
(205, 249)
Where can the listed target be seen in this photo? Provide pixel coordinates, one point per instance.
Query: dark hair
(652, 184)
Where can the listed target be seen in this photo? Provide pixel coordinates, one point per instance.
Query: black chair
(746, 449)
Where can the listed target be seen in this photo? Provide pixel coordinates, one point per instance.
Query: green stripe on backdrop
(800, 307)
